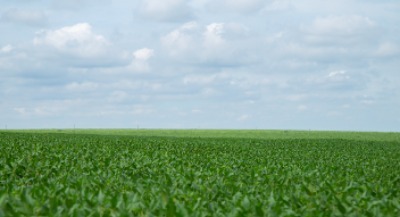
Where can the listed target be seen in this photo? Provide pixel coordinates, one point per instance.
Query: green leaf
(246, 203)
(171, 208)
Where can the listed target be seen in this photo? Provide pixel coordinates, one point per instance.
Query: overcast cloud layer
(266, 64)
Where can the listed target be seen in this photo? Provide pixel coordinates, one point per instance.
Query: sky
(230, 64)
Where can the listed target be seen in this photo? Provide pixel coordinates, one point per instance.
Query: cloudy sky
(259, 64)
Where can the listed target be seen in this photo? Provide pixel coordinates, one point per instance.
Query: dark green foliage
(93, 175)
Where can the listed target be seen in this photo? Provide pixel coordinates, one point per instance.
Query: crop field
(198, 173)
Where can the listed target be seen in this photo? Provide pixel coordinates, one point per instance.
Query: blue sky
(262, 64)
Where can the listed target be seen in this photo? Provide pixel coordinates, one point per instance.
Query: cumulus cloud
(140, 60)
(78, 39)
(213, 34)
(236, 60)
(11, 57)
(26, 17)
(212, 44)
(336, 82)
(181, 40)
(78, 46)
(143, 54)
(165, 10)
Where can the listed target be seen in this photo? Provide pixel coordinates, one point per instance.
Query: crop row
(92, 175)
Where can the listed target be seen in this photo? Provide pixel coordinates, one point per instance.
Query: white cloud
(340, 75)
(213, 35)
(6, 49)
(165, 10)
(181, 39)
(143, 54)
(215, 44)
(78, 40)
(387, 49)
(237, 59)
(140, 60)
(335, 82)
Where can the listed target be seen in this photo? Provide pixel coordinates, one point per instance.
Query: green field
(209, 133)
(198, 173)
